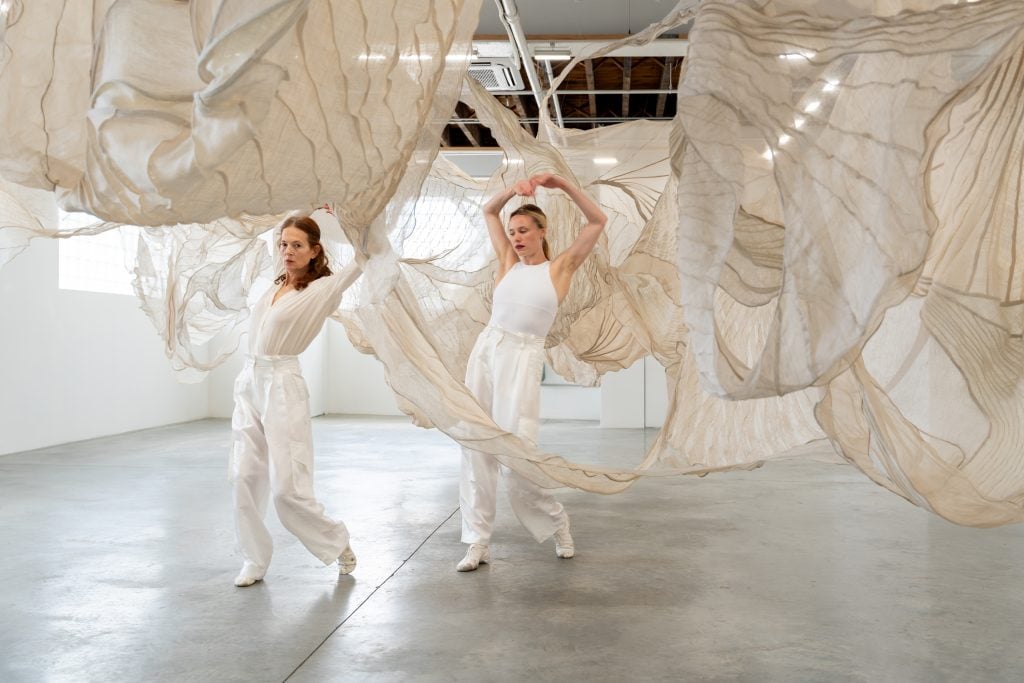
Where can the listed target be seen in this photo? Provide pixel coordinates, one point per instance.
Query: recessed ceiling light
(544, 54)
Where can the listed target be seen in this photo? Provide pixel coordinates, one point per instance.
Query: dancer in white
(505, 366)
(271, 431)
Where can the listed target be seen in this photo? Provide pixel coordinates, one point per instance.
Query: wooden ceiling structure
(633, 82)
(608, 90)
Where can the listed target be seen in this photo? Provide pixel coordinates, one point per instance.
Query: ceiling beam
(589, 65)
(554, 95)
(508, 13)
(666, 82)
(470, 134)
(517, 102)
(597, 91)
(571, 111)
(585, 119)
(627, 67)
(498, 46)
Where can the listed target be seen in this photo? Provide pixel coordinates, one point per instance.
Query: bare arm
(492, 216)
(571, 259)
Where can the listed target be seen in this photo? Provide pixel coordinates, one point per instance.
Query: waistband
(271, 361)
(522, 337)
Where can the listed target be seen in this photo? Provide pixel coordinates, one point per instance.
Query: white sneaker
(248, 576)
(476, 555)
(564, 546)
(346, 561)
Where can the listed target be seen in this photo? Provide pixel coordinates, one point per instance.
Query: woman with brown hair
(504, 370)
(272, 438)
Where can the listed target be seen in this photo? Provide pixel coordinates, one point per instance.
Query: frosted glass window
(96, 263)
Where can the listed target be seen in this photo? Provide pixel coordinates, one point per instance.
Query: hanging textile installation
(888, 147)
(824, 242)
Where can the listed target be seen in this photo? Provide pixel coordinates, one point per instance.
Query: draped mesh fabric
(887, 149)
(824, 242)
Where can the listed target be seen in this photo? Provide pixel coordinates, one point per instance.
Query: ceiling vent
(496, 74)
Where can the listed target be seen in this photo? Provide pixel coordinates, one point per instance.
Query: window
(96, 263)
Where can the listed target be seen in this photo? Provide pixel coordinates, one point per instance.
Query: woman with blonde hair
(272, 438)
(505, 366)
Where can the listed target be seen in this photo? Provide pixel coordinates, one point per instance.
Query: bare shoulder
(565, 264)
(557, 265)
(505, 264)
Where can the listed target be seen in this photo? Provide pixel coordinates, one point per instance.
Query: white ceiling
(577, 17)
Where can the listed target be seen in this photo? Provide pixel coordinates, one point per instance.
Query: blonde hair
(541, 221)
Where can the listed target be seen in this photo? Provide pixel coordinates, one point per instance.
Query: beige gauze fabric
(826, 237)
(251, 109)
(240, 107)
(215, 117)
(889, 150)
(624, 302)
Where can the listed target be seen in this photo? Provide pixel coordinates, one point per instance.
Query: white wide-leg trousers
(504, 374)
(272, 452)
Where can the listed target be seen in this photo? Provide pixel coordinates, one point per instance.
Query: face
(295, 250)
(526, 236)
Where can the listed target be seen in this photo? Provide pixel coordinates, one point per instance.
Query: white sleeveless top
(525, 301)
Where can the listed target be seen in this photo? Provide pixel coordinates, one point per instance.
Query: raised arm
(492, 217)
(569, 260)
(334, 286)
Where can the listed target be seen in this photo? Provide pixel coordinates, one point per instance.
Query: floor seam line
(372, 593)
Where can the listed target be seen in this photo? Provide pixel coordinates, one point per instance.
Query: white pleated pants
(272, 452)
(504, 374)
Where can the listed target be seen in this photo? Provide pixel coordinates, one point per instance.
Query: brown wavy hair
(318, 266)
(541, 220)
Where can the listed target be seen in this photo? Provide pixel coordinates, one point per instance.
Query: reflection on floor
(119, 556)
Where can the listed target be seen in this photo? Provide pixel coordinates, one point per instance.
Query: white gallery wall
(631, 398)
(356, 386)
(78, 365)
(355, 381)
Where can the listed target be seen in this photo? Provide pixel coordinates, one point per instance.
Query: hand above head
(328, 209)
(523, 188)
(548, 180)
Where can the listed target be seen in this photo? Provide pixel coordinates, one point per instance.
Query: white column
(622, 397)
(655, 393)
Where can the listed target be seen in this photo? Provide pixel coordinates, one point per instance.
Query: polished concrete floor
(118, 557)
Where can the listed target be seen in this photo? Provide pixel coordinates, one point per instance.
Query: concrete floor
(119, 556)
